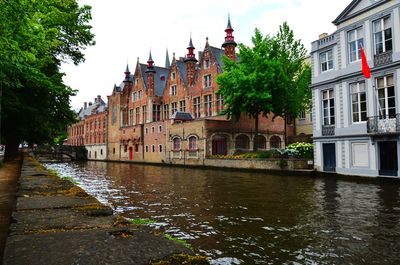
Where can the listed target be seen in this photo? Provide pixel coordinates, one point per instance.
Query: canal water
(254, 218)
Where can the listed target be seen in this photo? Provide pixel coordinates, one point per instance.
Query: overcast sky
(127, 29)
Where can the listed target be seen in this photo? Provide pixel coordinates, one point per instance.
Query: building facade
(91, 130)
(356, 119)
(172, 114)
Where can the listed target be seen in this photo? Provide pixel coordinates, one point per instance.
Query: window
(358, 102)
(386, 97)
(156, 112)
(382, 35)
(159, 128)
(242, 142)
(192, 143)
(147, 148)
(173, 75)
(134, 96)
(113, 151)
(140, 94)
(302, 115)
(207, 80)
(160, 148)
(206, 63)
(172, 91)
(152, 129)
(146, 130)
(136, 82)
(355, 40)
(326, 61)
(196, 107)
(220, 103)
(275, 142)
(144, 114)
(174, 108)
(177, 143)
(137, 115)
(182, 105)
(328, 105)
(130, 117)
(166, 111)
(208, 105)
(153, 148)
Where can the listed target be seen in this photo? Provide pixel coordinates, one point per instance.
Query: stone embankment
(56, 222)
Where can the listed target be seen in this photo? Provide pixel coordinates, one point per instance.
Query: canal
(254, 218)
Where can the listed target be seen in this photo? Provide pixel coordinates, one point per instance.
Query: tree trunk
(284, 133)
(255, 142)
(11, 148)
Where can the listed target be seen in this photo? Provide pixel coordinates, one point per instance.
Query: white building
(356, 120)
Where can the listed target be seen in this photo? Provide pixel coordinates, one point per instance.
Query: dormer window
(173, 75)
(206, 63)
(136, 81)
(140, 94)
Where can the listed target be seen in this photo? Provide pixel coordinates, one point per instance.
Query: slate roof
(159, 83)
(182, 116)
(182, 69)
(217, 53)
(92, 109)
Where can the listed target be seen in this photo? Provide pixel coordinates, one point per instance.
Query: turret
(167, 63)
(127, 74)
(150, 76)
(190, 62)
(229, 45)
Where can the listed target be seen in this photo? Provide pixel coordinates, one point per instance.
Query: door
(329, 157)
(219, 145)
(388, 158)
(130, 153)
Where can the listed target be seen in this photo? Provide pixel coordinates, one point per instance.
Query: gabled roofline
(342, 17)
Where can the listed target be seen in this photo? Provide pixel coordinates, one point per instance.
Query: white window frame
(358, 41)
(330, 95)
(383, 111)
(381, 33)
(324, 61)
(358, 101)
(207, 81)
(173, 90)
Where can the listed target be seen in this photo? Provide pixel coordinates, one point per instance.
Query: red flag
(365, 67)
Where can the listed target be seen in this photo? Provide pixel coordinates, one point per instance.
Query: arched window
(177, 144)
(219, 145)
(192, 143)
(242, 142)
(262, 142)
(275, 142)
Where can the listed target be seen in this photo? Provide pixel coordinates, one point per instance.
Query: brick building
(90, 131)
(172, 114)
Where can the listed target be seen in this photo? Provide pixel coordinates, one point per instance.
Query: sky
(126, 30)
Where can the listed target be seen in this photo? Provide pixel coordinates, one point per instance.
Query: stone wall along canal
(254, 218)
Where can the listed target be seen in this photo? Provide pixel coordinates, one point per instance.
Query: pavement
(56, 222)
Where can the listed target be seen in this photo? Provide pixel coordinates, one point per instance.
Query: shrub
(304, 150)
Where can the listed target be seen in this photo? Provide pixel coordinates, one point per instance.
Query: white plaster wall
(368, 42)
(339, 154)
(318, 156)
(372, 155)
(96, 148)
(346, 105)
(371, 97)
(396, 29)
(343, 49)
(397, 86)
(317, 112)
(347, 153)
(337, 106)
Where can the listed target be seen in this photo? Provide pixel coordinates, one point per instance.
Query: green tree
(291, 92)
(246, 84)
(269, 77)
(35, 38)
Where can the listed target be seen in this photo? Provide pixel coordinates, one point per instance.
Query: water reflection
(252, 218)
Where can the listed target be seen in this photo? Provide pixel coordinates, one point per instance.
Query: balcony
(328, 130)
(377, 125)
(383, 58)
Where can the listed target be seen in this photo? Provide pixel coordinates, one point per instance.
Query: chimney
(84, 105)
(323, 35)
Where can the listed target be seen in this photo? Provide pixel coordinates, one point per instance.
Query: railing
(326, 40)
(328, 130)
(377, 124)
(383, 58)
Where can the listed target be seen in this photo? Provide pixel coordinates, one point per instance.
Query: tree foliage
(35, 38)
(269, 77)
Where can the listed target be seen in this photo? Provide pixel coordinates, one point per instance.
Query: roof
(159, 82)
(348, 14)
(182, 69)
(96, 107)
(217, 53)
(182, 116)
